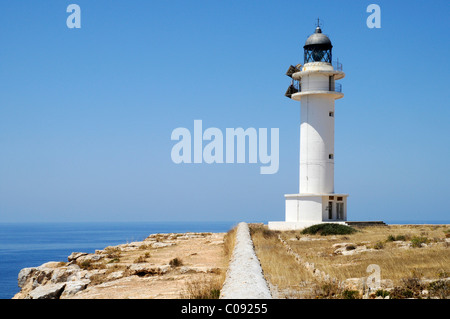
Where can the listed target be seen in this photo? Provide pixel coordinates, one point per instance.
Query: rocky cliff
(158, 267)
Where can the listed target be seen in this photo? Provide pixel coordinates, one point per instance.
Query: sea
(25, 245)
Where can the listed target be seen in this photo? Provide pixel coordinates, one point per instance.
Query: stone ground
(137, 270)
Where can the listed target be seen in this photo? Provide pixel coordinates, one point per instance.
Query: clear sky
(86, 115)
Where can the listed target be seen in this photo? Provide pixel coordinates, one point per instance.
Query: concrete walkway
(244, 278)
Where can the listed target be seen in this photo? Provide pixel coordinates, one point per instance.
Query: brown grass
(404, 267)
(280, 268)
(203, 288)
(229, 241)
(395, 263)
(142, 258)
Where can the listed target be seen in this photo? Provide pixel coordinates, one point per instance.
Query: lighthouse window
(331, 156)
(331, 114)
(339, 198)
(331, 83)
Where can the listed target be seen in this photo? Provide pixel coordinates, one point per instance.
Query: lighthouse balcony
(334, 69)
(337, 65)
(296, 91)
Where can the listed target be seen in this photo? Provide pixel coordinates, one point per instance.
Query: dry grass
(280, 269)
(229, 241)
(141, 258)
(398, 249)
(113, 252)
(395, 263)
(203, 288)
(209, 286)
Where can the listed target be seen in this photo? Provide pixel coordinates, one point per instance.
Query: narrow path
(245, 279)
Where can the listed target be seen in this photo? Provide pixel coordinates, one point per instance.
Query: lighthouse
(314, 84)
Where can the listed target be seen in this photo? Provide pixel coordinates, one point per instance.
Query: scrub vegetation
(328, 229)
(414, 261)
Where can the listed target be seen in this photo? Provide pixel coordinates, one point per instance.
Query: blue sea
(32, 244)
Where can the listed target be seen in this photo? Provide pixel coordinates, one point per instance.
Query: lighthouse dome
(318, 38)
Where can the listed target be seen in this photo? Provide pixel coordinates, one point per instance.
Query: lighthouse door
(330, 210)
(340, 210)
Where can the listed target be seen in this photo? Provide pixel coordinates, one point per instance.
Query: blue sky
(86, 114)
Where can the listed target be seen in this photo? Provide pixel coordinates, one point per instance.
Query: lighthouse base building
(304, 210)
(313, 84)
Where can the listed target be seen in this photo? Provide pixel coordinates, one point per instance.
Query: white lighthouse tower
(314, 84)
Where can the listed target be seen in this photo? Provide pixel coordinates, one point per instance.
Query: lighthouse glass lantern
(314, 85)
(317, 48)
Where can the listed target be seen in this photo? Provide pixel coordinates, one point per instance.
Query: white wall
(316, 144)
(311, 208)
(303, 208)
(291, 210)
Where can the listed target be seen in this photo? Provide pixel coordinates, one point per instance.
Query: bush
(214, 293)
(417, 242)
(350, 294)
(401, 293)
(413, 283)
(378, 245)
(390, 238)
(397, 238)
(113, 252)
(439, 289)
(329, 229)
(382, 293)
(327, 290)
(89, 265)
(176, 262)
(447, 233)
(140, 259)
(412, 286)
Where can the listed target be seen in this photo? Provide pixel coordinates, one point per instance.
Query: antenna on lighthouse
(319, 23)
